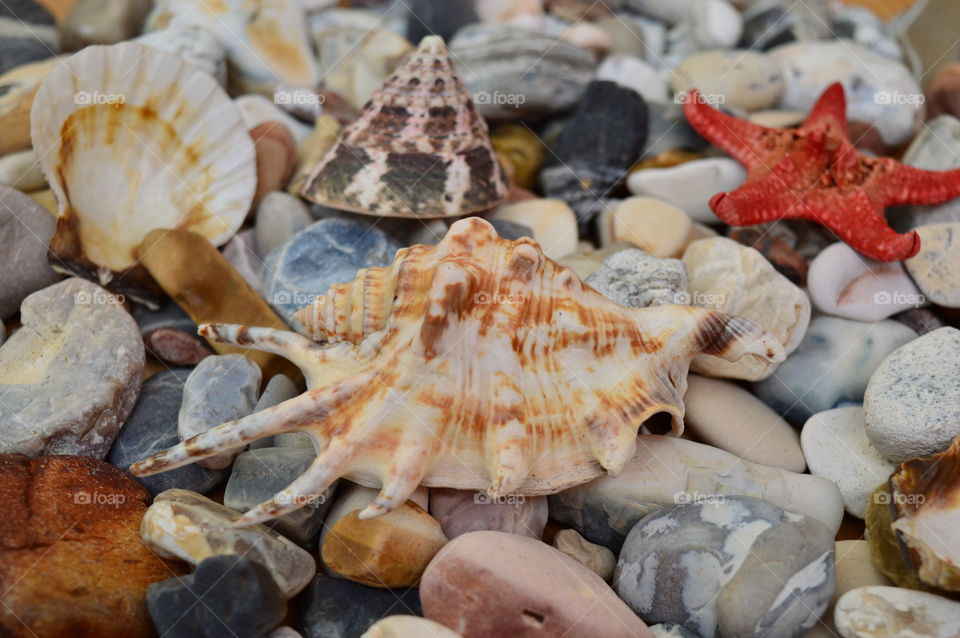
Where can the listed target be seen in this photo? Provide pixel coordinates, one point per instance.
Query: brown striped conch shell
(474, 364)
(418, 149)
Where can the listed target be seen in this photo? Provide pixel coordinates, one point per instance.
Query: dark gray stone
(151, 428)
(227, 595)
(510, 230)
(327, 252)
(259, 474)
(729, 566)
(169, 316)
(438, 17)
(25, 230)
(29, 34)
(337, 608)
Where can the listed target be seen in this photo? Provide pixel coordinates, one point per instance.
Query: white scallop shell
(131, 139)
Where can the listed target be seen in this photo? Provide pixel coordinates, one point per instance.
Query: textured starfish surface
(814, 172)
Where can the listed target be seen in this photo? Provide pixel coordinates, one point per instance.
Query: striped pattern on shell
(474, 364)
(418, 149)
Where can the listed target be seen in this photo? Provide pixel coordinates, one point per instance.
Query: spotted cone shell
(418, 149)
(474, 364)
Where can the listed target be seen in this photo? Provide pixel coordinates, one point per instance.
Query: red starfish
(813, 172)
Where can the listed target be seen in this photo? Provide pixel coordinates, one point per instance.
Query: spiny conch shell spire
(474, 364)
(418, 149)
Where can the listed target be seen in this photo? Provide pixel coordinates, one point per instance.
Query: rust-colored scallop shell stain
(478, 363)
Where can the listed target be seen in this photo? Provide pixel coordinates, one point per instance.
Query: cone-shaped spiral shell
(474, 364)
(418, 149)
(131, 139)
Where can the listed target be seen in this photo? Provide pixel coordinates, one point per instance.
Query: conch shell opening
(476, 364)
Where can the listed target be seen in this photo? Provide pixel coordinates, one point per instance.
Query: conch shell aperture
(474, 364)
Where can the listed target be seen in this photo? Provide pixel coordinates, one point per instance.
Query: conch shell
(418, 149)
(131, 139)
(474, 364)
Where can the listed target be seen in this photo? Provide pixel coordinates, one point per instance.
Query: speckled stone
(936, 268)
(327, 252)
(597, 558)
(152, 428)
(737, 79)
(259, 474)
(499, 584)
(71, 375)
(666, 470)
(894, 612)
(182, 524)
(912, 402)
(220, 389)
(335, 608)
(733, 566)
(462, 511)
(25, 230)
(831, 366)
(635, 279)
(836, 447)
(227, 593)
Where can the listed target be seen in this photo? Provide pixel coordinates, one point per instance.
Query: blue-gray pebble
(338, 608)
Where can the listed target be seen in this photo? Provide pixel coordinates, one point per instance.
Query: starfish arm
(857, 219)
(901, 184)
(756, 202)
(739, 138)
(830, 110)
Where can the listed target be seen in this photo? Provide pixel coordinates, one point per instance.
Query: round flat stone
(936, 268)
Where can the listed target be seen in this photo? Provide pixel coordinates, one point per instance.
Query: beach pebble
(280, 216)
(836, 447)
(943, 92)
(552, 221)
(387, 551)
(714, 24)
(351, 497)
(29, 34)
(499, 584)
(193, 44)
(878, 90)
(523, 150)
(279, 389)
(184, 525)
(176, 347)
(746, 80)
(666, 470)
(72, 561)
(226, 593)
(586, 259)
(408, 627)
(634, 279)
(732, 566)
(220, 389)
(597, 558)
(650, 224)
(770, 23)
(931, 149)
(781, 255)
(259, 474)
(894, 612)
(439, 17)
(241, 253)
(70, 377)
(724, 275)
(843, 283)
(920, 320)
(21, 170)
(276, 157)
(671, 630)
(17, 88)
(327, 252)
(462, 511)
(25, 230)
(151, 428)
(831, 366)
(713, 406)
(690, 185)
(912, 402)
(936, 268)
(102, 22)
(257, 110)
(633, 73)
(335, 608)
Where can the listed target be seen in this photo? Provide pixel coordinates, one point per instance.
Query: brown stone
(176, 347)
(943, 94)
(202, 282)
(71, 561)
(276, 157)
(18, 86)
(778, 252)
(388, 551)
(866, 137)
